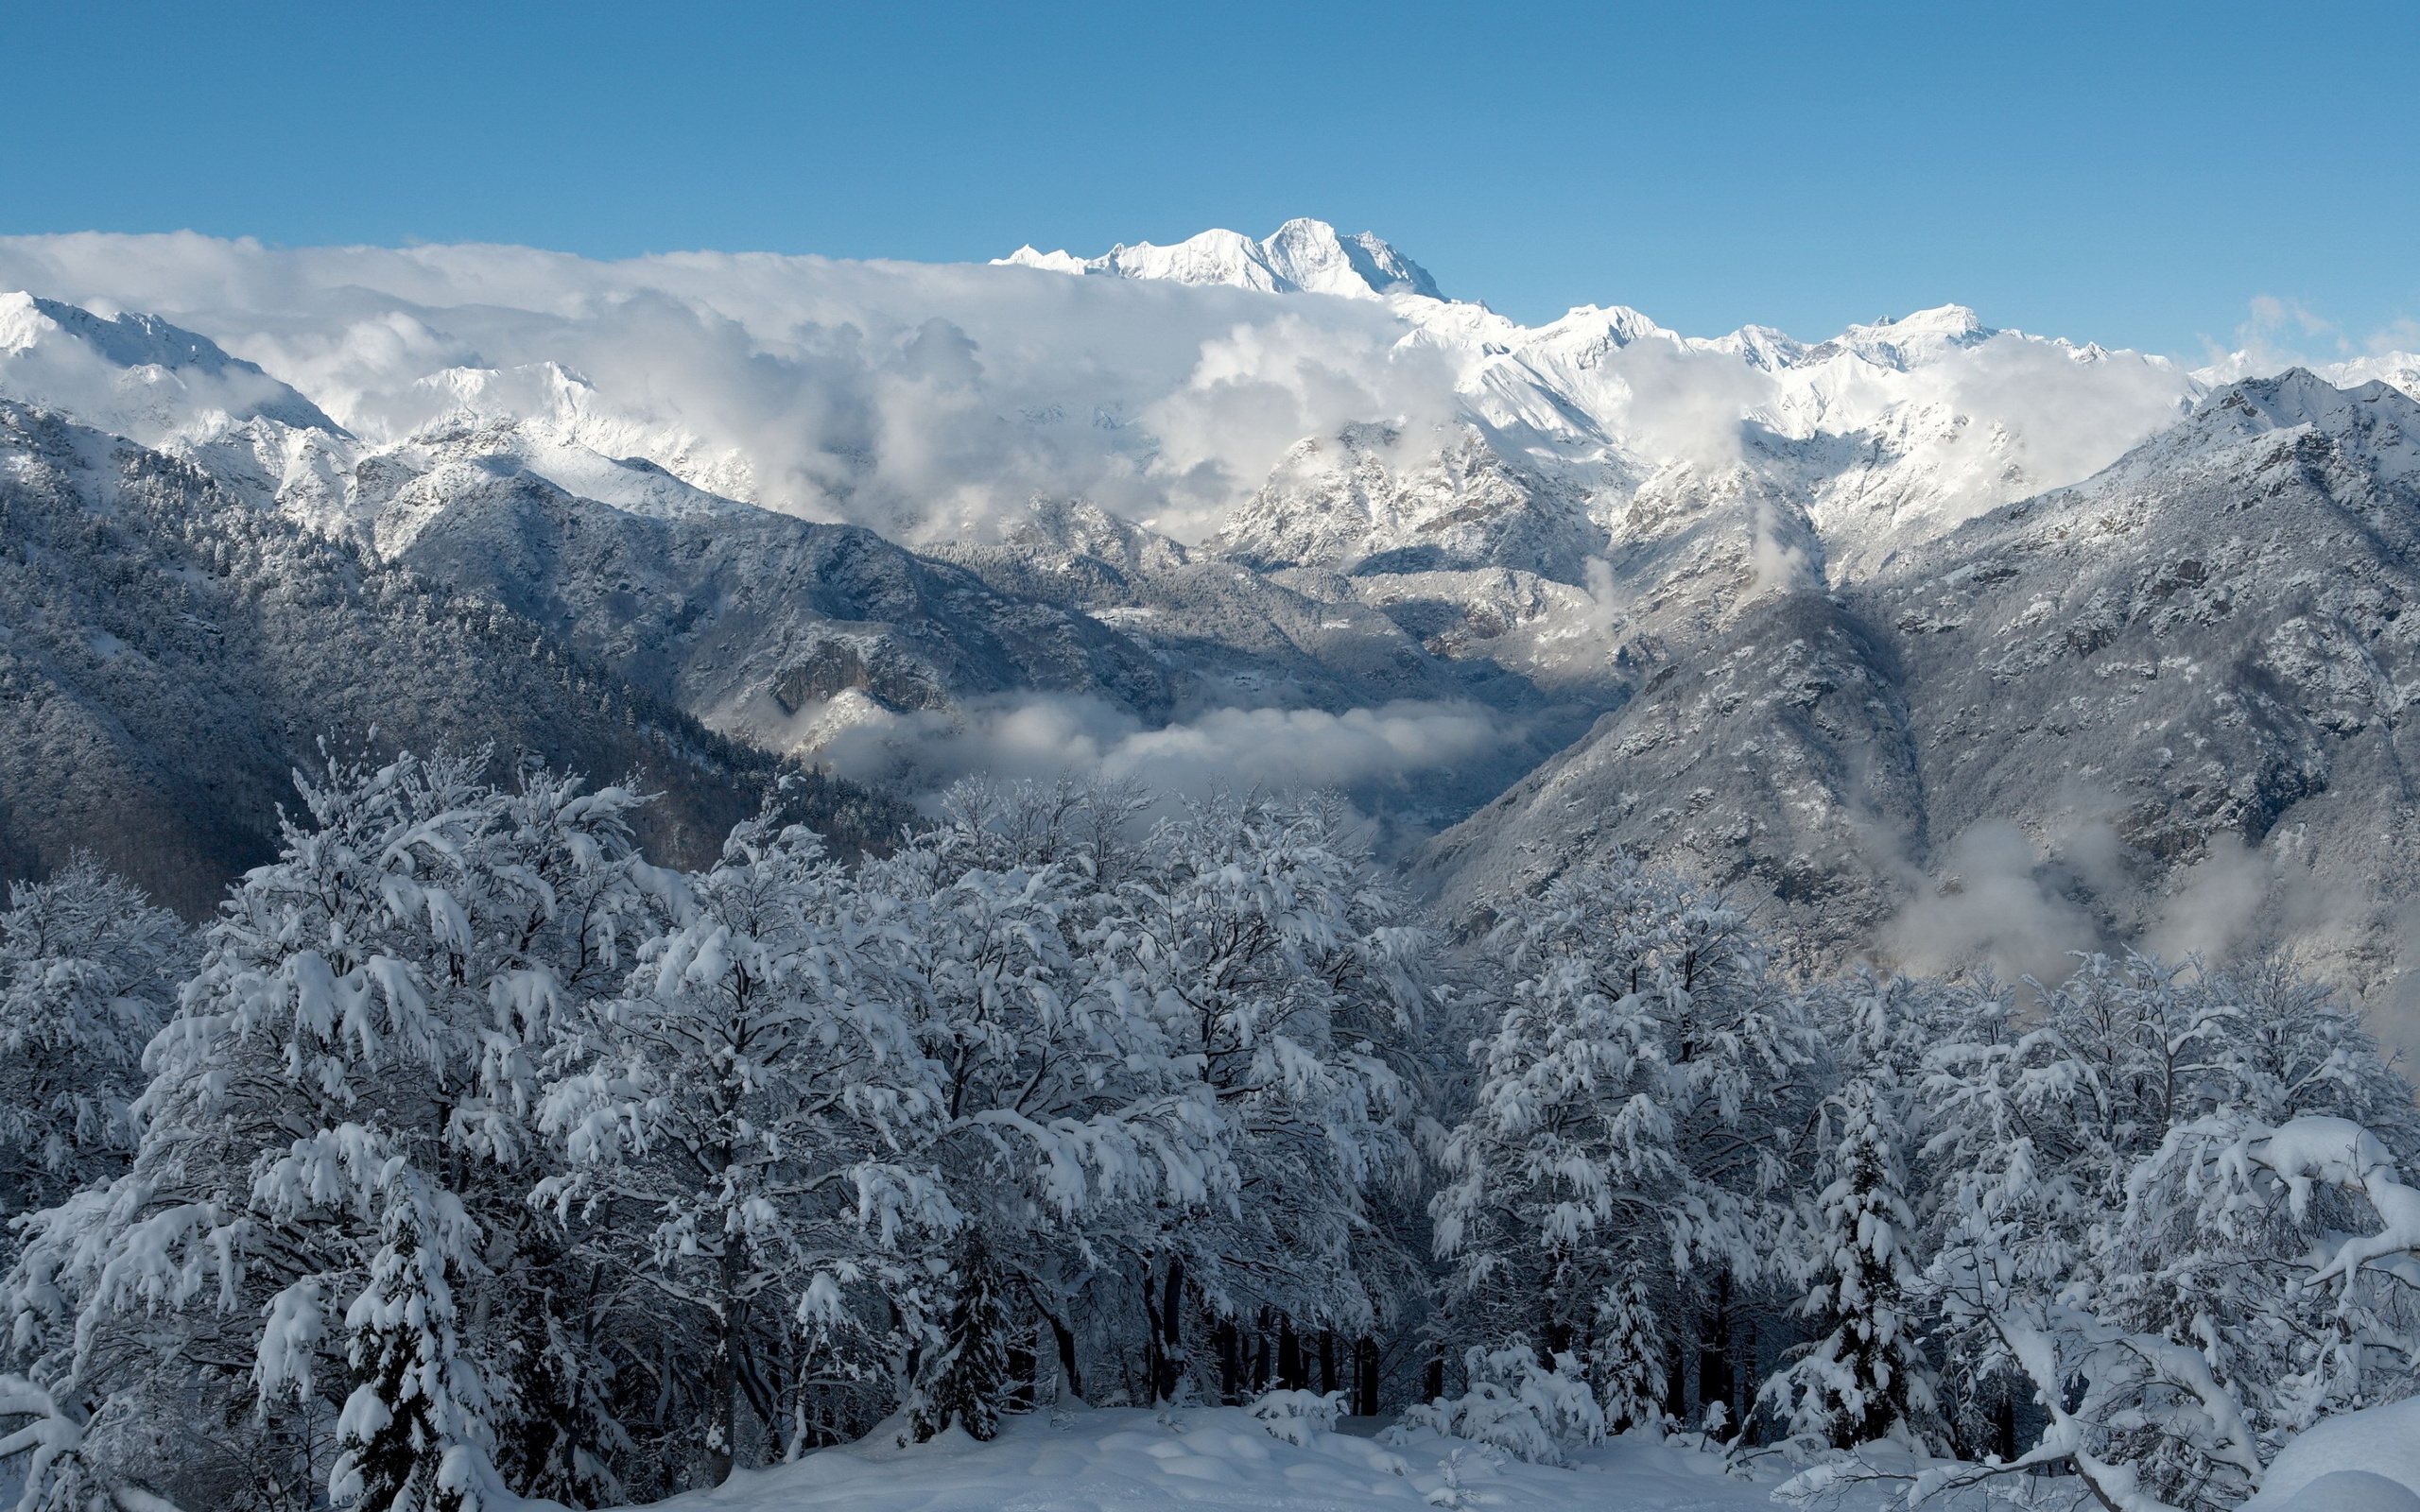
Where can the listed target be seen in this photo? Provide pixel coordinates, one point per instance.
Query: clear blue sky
(2134, 174)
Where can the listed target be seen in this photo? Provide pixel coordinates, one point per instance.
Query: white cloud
(934, 402)
(927, 400)
(2216, 903)
(1991, 907)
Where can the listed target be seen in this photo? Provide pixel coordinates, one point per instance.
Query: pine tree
(412, 1435)
(967, 1382)
(1628, 1346)
(1868, 1377)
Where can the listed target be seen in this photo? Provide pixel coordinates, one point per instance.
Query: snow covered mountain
(2163, 705)
(1304, 256)
(138, 375)
(1277, 510)
(171, 655)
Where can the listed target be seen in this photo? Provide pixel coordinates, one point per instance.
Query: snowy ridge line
(686, 384)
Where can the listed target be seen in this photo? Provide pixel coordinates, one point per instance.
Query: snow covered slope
(1171, 500)
(136, 375)
(934, 403)
(2164, 705)
(170, 656)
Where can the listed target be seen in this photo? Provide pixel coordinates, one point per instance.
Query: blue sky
(2133, 174)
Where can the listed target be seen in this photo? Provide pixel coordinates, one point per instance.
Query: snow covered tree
(2125, 1226)
(1284, 977)
(2213, 1249)
(88, 974)
(1857, 1251)
(1628, 1146)
(1068, 1124)
(966, 1382)
(1868, 1375)
(743, 1130)
(338, 1110)
(412, 1433)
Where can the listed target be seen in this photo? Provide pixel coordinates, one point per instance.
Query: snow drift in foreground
(1215, 1459)
(2366, 1461)
(1076, 1460)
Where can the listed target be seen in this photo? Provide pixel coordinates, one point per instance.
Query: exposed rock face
(170, 657)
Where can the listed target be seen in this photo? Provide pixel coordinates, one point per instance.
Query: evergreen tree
(411, 1435)
(967, 1382)
(1868, 1375)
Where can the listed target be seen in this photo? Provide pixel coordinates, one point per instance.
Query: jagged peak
(126, 340)
(1301, 256)
(1907, 341)
(2299, 397)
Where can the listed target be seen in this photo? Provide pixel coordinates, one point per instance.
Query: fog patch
(1990, 905)
(2214, 905)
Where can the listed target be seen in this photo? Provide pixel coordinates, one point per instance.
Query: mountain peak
(2376, 419)
(1913, 340)
(136, 375)
(1304, 256)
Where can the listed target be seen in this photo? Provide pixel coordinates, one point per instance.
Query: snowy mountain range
(1952, 642)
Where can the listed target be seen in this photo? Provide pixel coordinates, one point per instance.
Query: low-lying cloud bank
(1362, 751)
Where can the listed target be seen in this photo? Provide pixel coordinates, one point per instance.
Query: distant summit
(1304, 256)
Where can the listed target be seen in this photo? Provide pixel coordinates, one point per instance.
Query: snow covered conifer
(1857, 1250)
(1868, 1375)
(408, 1434)
(967, 1382)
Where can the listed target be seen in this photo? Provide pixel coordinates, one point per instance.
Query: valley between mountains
(1928, 643)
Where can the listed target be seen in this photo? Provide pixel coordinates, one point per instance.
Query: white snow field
(1220, 1459)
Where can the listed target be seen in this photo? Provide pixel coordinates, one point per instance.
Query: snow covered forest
(466, 1156)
